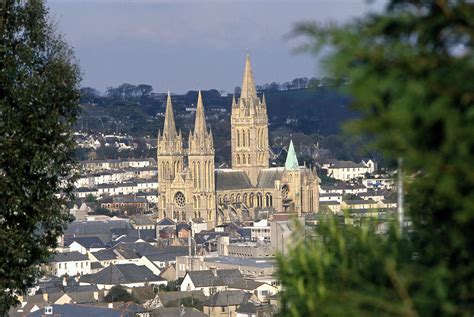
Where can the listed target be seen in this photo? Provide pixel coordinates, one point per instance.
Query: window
(179, 199)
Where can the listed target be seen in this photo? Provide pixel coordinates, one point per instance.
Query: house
(197, 225)
(255, 267)
(72, 310)
(167, 233)
(169, 273)
(165, 223)
(225, 303)
(167, 256)
(251, 309)
(141, 222)
(347, 170)
(84, 244)
(68, 263)
(207, 281)
(183, 230)
(234, 280)
(176, 311)
(80, 213)
(174, 298)
(260, 230)
(128, 275)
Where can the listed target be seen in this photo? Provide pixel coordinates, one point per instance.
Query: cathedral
(189, 185)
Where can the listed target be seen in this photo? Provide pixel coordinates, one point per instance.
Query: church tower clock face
(179, 199)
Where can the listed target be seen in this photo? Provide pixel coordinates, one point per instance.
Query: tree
(408, 71)
(89, 95)
(39, 94)
(144, 89)
(119, 294)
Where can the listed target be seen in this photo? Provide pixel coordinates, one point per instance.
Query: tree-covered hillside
(312, 116)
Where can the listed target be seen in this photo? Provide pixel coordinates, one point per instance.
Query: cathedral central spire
(248, 85)
(169, 129)
(200, 123)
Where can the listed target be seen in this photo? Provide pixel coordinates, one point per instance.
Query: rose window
(179, 199)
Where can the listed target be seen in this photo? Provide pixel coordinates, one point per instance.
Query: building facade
(247, 191)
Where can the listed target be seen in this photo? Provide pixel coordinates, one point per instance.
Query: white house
(205, 281)
(69, 263)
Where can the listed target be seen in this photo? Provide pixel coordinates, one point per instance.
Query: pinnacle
(248, 84)
(200, 123)
(169, 128)
(291, 162)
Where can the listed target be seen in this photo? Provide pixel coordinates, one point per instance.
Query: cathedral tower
(170, 157)
(201, 166)
(249, 131)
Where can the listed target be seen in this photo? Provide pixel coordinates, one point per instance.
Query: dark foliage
(409, 71)
(38, 105)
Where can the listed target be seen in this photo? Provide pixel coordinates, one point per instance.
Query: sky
(182, 45)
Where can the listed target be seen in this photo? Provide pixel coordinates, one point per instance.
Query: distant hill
(311, 110)
(309, 116)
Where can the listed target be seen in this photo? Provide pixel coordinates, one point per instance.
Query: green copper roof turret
(291, 162)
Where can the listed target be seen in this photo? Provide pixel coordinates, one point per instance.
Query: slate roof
(121, 274)
(181, 226)
(71, 310)
(69, 257)
(230, 275)
(144, 234)
(268, 176)
(142, 220)
(86, 242)
(138, 248)
(166, 222)
(96, 265)
(227, 298)
(170, 298)
(247, 308)
(345, 164)
(227, 179)
(92, 227)
(234, 279)
(359, 201)
(177, 311)
(205, 278)
(84, 297)
(105, 255)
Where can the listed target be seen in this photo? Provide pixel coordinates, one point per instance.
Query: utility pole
(400, 193)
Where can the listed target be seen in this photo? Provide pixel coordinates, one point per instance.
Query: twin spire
(169, 129)
(200, 122)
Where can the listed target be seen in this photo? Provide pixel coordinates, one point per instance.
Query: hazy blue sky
(181, 45)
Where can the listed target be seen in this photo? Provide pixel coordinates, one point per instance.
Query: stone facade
(250, 189)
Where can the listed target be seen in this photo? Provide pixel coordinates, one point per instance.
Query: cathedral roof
(268, 176)
(291, 162)
(227, 179)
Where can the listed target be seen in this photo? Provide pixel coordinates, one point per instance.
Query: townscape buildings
(182, 237)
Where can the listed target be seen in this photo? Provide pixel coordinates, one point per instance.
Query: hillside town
(153, 237)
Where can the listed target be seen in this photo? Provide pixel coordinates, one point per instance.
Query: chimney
(214, 270)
